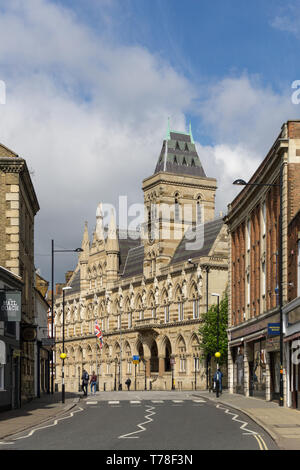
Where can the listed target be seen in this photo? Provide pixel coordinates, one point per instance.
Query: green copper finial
(191, 135)
(168, 136)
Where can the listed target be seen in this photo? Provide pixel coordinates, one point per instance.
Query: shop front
(291, 316)
(257, 361)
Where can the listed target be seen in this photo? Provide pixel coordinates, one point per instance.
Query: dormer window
(184, 161)
(177, 146)
(193, 162)
(175, 160)
(186, 147)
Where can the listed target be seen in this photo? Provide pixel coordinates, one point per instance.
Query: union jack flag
(98, 333)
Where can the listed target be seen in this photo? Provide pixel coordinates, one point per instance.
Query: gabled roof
(200, 244)
(134, 262)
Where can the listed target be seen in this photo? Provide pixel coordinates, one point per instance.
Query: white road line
(244, 428)
(199, 401)
(43, 427)
(135, 402)
(142, 429)
(92, 402)
(114, 402)
(157, 401)
(177, 401)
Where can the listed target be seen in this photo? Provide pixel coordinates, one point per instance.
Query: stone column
(161, 365)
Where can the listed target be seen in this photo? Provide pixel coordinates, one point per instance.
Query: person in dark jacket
(85, 382)
(128, 383)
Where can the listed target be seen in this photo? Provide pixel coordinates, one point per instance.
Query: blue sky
(91, 83)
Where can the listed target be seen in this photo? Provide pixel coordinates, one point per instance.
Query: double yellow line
(261, 442)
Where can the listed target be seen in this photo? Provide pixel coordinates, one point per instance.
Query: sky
(90, 85)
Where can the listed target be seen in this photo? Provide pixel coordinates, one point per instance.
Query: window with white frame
(263, 278)
(182, 364)
(180, 311)
(196, 364)
(263, 211)
(129, 367)
(248, 289)
(195, 308)
(167, 313)
(248, 234)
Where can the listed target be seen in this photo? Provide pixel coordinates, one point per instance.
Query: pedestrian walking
(128, 383)
(85, 381)
(218, 381)
(93, 383)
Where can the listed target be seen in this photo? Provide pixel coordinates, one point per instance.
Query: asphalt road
(157, 422)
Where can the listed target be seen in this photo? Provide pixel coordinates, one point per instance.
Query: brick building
(253, 222)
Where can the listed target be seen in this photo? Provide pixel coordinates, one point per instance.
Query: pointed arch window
(184, 161)
(175, 160)
(176, 208)
(177, 146)
(199, 210)
(186, 147)
(193, 162)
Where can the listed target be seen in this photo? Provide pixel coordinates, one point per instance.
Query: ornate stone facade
(147, 290)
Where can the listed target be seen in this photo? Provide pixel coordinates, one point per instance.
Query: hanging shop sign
(273, 329)
(28, 333)
(10, 306)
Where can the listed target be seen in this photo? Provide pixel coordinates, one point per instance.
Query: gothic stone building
(148, 290)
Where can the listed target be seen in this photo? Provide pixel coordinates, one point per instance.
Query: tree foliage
(209, 328)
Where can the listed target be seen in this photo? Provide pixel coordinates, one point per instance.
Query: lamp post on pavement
(217, 353)
(77, 250)
(63, 355)
(241, 182)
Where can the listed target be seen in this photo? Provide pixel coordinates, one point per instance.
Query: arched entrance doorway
(154, 358)
(168, 356)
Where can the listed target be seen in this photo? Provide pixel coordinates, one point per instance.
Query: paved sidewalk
(36, 412)
(283, 424)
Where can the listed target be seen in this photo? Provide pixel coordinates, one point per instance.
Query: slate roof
(134, 262)
(198, 247)
(181, 156)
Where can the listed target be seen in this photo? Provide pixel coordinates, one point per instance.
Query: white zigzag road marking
(244, 423)
(142, 429)
(55, 422)
(257, 436)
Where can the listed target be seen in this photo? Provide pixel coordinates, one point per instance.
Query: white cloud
(88, 117)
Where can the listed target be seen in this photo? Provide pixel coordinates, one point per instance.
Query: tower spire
(190, 132)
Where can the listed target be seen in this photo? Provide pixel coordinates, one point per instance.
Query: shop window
(1, 377)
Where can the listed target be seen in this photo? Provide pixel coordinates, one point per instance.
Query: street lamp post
(63, 355)
(241, 182)
(77, 250)
(217, 354)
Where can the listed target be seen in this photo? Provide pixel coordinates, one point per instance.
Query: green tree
(209, 328)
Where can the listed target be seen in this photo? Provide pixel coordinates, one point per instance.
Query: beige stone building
(18, 206)
(148, 289)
